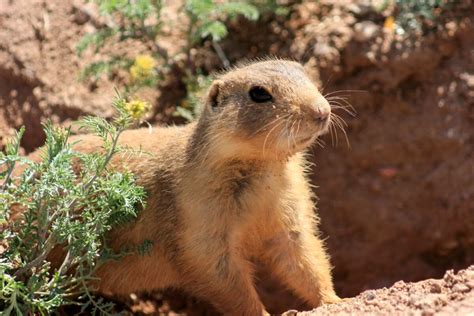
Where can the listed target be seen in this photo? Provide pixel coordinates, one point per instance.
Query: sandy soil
(397, 205)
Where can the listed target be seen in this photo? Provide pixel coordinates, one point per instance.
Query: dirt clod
(435, 288)
(461, 288)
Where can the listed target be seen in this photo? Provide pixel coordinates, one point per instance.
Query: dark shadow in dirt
(20, 107)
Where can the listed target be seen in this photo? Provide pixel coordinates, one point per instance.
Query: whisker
(320, 142)
(324, 86)
(292, 136)
(337, 105)
(340, 91)
(344, 98)
(332, 131)
(340, 123)
(280, 134)
(268, 134)
(340, 119)
(288, 132)
(297, 129)
(338, 97)
(268, 124)
(345, 102)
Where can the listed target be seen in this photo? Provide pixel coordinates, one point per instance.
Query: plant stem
(11, 166)
(220, 52)
(48, 246)
(89, 296)
(107, 159)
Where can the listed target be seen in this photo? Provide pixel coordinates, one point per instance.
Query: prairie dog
(226, 191)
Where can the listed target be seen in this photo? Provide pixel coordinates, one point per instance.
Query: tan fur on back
(225, 192)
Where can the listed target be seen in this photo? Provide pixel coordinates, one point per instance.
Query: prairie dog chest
(233, 190)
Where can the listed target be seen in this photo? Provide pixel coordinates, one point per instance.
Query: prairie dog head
(265, 109)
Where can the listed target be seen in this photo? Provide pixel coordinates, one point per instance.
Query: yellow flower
(389, 24)
(137, 108)
(142, 68)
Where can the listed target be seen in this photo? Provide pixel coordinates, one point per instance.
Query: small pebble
(364, 31)
(428, 312)
(449, 277)
(370, 295)
(469, 274)
(460, 288)
(435, 288)
(470, 284)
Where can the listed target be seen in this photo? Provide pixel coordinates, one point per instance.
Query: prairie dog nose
(320, 110)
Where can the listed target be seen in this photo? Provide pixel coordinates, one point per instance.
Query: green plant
(410, 14)
(141, 20)
(138, 19)
(195, 86)
(51, 205)
(206, 19)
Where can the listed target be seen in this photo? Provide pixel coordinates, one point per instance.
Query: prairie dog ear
(213, 94)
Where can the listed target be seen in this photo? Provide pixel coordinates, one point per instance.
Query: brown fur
(225, 191)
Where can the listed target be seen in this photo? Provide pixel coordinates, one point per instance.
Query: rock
(435, 288)
(470, 284)
(360, 9)
(80, 16)
(369, 295)
(449, 277)
(324, 49)
(366, 30)
(428, 312)
(469, 275)
(461, 288)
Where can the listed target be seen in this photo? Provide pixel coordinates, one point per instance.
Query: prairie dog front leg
(299, 260)
(217, 273)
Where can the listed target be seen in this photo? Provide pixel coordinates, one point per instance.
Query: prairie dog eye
(259, 95)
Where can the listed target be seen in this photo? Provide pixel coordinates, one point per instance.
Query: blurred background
(397, 204)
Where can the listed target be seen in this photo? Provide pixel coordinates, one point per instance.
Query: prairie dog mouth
(306, 140)
(316, 132)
